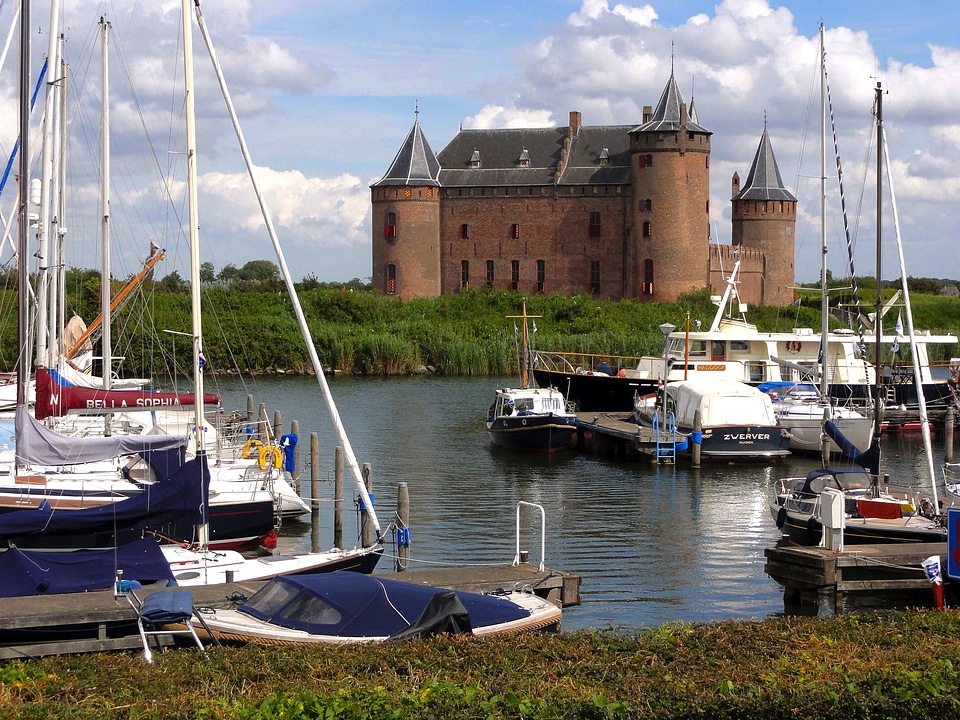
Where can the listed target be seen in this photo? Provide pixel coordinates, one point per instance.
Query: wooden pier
(805, 571)
(99, 621)
(616, 435)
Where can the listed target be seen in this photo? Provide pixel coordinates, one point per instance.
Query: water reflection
(653, 544)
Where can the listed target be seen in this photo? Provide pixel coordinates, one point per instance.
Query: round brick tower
(765, 217)
(406, 222)
(670, 170)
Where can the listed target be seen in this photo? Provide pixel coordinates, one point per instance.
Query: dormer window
(524, 159)
(475, 159)
(604, 157)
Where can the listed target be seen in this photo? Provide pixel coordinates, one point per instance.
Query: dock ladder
(665, 451)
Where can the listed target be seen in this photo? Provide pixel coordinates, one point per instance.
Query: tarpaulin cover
(348, 604)
(31, 572)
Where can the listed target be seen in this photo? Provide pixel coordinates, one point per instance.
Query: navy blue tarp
(348, 604)
(49, 573)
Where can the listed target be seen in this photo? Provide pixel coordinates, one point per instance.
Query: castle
(615, 211)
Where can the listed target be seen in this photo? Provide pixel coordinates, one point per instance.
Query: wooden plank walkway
(617, 435)
(99, 621)
(802, 571)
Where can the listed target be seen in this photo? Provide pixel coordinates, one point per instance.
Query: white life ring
(793, 346)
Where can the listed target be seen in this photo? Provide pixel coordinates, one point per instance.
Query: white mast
(105, 272)
(824, 297)
(194, 235)
(48, 173)
(348, 453)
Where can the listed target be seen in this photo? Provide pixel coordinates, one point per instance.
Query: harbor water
(652, 544)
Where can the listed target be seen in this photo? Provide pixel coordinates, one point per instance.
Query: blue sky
(326, 92)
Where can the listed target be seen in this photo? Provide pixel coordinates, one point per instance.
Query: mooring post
(263, 428)
(366, 527)
(338, 497)
(297, 462)
(695, 439)
(403, 529)
(277, 426)
(250, 414)
(314, 492)
(948, 435)
(824, 440)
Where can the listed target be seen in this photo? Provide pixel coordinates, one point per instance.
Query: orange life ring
(794, 346)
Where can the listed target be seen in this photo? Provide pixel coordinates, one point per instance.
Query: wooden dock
(804, 571)
(98, 621)
(616, 435)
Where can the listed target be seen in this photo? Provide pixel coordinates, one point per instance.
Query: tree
(260, 271)
(229, 272)
(207, 272)
(173, 283)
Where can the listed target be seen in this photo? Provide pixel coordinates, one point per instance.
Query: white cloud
(499, 116)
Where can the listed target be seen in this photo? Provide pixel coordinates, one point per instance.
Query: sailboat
(874, 511)
(802, 408)
(528, 417)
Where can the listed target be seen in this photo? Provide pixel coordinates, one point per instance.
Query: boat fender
(288, 443)
(812, 529)
(523, 422)
(622, 373)
(270, 457)
(403, 537)
(251, 448)
(781, 518)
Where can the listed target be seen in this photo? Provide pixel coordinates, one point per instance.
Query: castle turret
(765, 217)
(406, 221)
(670, 168)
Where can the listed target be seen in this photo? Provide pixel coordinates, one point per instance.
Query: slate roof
(415, 163)
(666, 117)
(764, 182)
(499, 152)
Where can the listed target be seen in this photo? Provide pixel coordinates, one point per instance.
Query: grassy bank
(468, 333)
(852, 666)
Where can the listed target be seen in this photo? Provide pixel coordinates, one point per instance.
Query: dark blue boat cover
(348, 604)
(48, 573)
(179, 496)
(167, 606)
(869, 459)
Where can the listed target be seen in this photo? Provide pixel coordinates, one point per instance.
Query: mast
(105, 272)
(348, 453)
(878, 308)
(824, 295)
(23, 251)
(194, 235)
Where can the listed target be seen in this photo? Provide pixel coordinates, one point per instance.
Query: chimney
(647, 113)
(683, 116)
(574, 122)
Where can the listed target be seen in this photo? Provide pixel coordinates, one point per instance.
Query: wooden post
(263, 429)
(403, 531)
(315, 492)
(824, 440)
(695, 446)
(366, 527)
(277, 426)
(338, 497)
(250, 414)
(297, 462)
(948, 435)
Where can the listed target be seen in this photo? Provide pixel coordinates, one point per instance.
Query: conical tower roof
(666, 118)
(764, 182)
(415, 163)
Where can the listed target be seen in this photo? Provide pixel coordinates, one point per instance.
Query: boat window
(524, 404)
(756, 372)
(718, 350)
(738, 346)
(698, 348)
(311, 609)
(270, 598)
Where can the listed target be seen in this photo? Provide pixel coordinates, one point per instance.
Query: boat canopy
(348, 604)
(720, 402)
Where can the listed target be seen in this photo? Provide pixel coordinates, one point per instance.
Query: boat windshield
(270, 598)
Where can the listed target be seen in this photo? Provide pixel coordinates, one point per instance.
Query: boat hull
(532, 434)
(806, 529)
(744, 443)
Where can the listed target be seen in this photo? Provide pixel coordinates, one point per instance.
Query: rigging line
(16, 145)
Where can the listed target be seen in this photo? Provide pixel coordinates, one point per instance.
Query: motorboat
(736, 421)
(533, 419)
(874, 512)
(353, 608)
(801, 409)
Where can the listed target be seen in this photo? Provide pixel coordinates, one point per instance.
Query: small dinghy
(346, 607)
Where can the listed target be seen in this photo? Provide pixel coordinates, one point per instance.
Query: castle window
(464, 231)
(524, 159)
(708, 162)
(515, 231)
(541, 275)
(595, 277)
(604, 157)
(648, 161)
(594, 224)
(390, 227)
(391, 279)
(647, 288)
(408, 192)
(464, 274)
(708, 207)
(646, 205)
(489, 273)
(475, 159)
(514, 274)
(646, 229)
